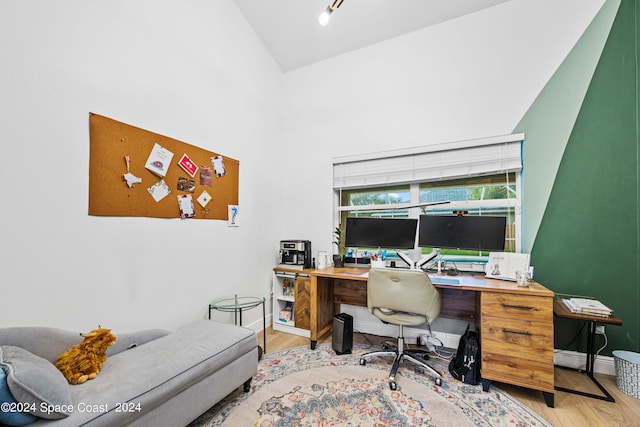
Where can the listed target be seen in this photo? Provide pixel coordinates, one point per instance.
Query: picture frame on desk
(504, 265)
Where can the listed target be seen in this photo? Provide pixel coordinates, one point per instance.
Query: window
(481, 177)
(494, 195)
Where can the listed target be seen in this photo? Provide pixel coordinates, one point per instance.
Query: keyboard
(439, 280)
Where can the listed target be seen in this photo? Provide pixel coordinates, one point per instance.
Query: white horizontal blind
(451, 160)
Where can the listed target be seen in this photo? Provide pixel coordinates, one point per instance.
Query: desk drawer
(513, 337)
(521, 372)
(519, 352)
(517, 306)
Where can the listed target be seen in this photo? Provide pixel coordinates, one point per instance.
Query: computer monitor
(483, 233)
(395, 233)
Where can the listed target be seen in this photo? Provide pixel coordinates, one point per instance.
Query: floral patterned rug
(301, 387)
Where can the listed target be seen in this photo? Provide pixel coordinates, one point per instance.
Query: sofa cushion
(43, 341)
(35, 381)
(13, 414)
(48, 342)
(129, 340)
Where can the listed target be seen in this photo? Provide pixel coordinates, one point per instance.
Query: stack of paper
(591, 307)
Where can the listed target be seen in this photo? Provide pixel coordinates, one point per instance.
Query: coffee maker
(295, 253)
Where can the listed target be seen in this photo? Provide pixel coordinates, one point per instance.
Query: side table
(237, 304)
(560, 310)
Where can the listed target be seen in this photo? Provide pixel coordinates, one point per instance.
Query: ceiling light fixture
(324, 16)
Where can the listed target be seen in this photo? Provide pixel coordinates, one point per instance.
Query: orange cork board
(110, 194)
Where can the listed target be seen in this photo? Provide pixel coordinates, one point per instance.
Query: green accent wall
(587, 242)
(550, 119)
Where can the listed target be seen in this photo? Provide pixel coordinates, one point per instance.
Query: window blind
(450, 160)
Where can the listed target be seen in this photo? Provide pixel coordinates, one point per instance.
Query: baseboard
(257, 324)
(576, 360)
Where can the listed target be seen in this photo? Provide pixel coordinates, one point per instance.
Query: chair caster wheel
(362, 362)
(393, 386)
(439, 382)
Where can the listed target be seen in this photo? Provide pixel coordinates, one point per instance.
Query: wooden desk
(515, 323)
(560, 310)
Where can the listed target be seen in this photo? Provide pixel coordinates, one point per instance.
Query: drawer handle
(509, 331)
(519, 307)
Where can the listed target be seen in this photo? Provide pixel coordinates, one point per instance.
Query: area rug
(301, 387)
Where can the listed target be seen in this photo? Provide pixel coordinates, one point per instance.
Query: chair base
(399, 354)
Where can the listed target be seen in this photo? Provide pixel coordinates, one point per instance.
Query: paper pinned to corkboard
(119, 151)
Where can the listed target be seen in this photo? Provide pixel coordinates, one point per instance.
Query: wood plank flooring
(570, 410)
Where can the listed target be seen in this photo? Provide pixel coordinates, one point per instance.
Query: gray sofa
(152, 377)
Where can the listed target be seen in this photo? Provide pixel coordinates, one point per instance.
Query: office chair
(403, 298)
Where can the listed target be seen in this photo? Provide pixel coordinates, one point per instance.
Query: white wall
(193, 71)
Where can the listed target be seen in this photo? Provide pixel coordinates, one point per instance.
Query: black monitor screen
(462, 232)
(396, 233)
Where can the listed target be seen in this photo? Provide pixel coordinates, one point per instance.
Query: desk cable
(435, 345)
(437, 350)
(606, 342)
(571, 342)
(364, 335)
(575, 338)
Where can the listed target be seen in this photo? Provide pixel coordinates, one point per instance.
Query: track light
(324, 16)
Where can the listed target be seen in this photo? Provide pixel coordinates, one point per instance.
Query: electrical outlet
(600, 329)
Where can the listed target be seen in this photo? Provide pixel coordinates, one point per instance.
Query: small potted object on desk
(338, 259)
(379, 259)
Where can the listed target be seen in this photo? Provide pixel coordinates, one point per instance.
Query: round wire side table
(237, 304)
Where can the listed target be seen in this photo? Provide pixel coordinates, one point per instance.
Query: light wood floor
(570, 410)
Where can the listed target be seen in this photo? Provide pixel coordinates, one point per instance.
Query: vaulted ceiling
(291, 32)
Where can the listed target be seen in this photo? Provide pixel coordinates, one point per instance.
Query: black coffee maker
(295, 253)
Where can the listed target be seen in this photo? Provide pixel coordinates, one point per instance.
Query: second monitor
(484, 233)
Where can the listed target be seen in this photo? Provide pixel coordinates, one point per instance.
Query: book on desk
(592, 307)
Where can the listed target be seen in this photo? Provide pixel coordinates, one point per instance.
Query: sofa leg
(247, 386)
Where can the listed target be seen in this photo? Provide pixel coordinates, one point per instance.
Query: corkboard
(109, 194)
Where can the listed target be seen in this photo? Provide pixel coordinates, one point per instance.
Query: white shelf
(281, 301)
(286, 323)
(282, 327)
